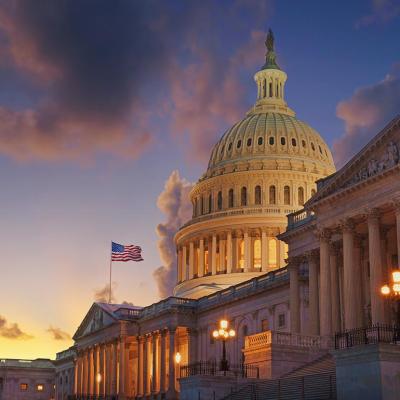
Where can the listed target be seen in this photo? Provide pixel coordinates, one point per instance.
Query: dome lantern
(270, 82)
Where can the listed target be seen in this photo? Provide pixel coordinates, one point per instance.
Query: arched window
(260, 141)
(271, 140)
(239, 143)
(243, 196)
(313, 192)
(294, 143)
(300, 195)
(230, 198)
(257, 253)
(303, 143)
(210, 203)
(283, 141)
(219, 200)
(277, 90)
(241, 254)
(312, 146)
(230, 146)
(249, 142)
(272, 195)
(272, 259)
(286, 195)
(270, 89)
(257, 195)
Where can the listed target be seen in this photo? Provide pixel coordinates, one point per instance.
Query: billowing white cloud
(366, 113)
(174, 202)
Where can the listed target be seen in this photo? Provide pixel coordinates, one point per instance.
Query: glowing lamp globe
(385, 290)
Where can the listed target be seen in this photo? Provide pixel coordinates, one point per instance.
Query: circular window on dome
(230, 146)
(271, 140)
(312, 146)
(260, 141)
(283, 141)
(294, 143)
(239, 143)
(303, 143)
(249, 142)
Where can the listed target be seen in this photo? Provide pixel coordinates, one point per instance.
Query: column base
(171, 394)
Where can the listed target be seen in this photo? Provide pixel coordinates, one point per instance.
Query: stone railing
(167, 304)
(289, 339)
(284, 210)
(299, 218)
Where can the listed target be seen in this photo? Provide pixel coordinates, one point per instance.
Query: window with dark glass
(270, 89)
(320, 150)
(312, 146)
(243, 196)
(249, 142)
(294, 143)
(281, 320)
(239, 143)
(230, 146)
(257, 195)
(245, 330)
(230, 198)
(300, 195)
(272, 195)
(286, 195)
(210, 203)
(271, 140)
(260, 141)
(303, 143)
(219, 200)
(283, 141)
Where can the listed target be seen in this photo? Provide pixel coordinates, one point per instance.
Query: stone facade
(26, 379)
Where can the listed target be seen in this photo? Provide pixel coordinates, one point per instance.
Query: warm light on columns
(178, 357)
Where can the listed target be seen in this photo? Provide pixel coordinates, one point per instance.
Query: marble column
(214, 255)
(163, 360)
(325, 307)
(79, 367)
(184, 264)
(114, 368)
(335, 291)
(102, 369)
(349, 277)
(90, 371)
(122, 366)
(154, 362)
(246, 239)
(222, 249)
(313, 293)
(96, 365)
(200, 271)
(357, 288)
(229, 252)
(171, 394)
(294, 294)
(192, 345)
(282, 254)
(375, 267)
(139, 378)
(264, 251)
(191, 260)
(145, 366)
(76, 372)
(209, 254)
(179, 259)
(397, 212)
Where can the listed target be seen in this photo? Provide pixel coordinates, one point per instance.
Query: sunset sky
(101, 101)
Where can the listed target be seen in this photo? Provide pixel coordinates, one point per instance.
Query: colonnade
(230, 252)
(131, 366)
(346, 274)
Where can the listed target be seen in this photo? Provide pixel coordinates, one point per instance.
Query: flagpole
(109, 294)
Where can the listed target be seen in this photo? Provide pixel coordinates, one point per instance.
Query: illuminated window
(272, 253)
(285, 251)
(286, 195)
(257, 195)
(257, 253)
(219, 200)
(300, 195)
(23, 386)
(272, 195)
(206, 262)
(241, 254)
(40, 387)
(243, 196)
(230, 198)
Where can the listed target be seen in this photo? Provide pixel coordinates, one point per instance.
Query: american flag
(119, 252)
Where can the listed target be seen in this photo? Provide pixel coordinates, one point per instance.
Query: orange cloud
(58, 334)
(12, 330)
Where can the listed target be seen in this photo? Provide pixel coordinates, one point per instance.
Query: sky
(108, 113)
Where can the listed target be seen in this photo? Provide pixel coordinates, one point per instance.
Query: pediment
(380, 155)
(96, 319)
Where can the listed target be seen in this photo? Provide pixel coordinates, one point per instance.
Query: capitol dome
(263, 168)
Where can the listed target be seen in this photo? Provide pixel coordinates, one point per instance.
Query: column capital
(312, 255)
(294, 262)
(396, 205)
(163, 332)
(346, 225)
(192, 331)
(373, 214)
(334, 249)
(324, 234)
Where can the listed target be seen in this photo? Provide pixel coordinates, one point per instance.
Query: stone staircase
(322, 365)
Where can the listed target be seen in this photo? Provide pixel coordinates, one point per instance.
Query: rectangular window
(281, 320)
(23, 386)
(40, 387)
(264, 325)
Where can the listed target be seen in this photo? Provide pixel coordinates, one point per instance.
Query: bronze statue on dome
(269, 42)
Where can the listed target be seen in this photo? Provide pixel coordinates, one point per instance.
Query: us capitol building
(279, 276)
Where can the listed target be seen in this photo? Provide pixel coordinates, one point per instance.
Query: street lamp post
(223, 333)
